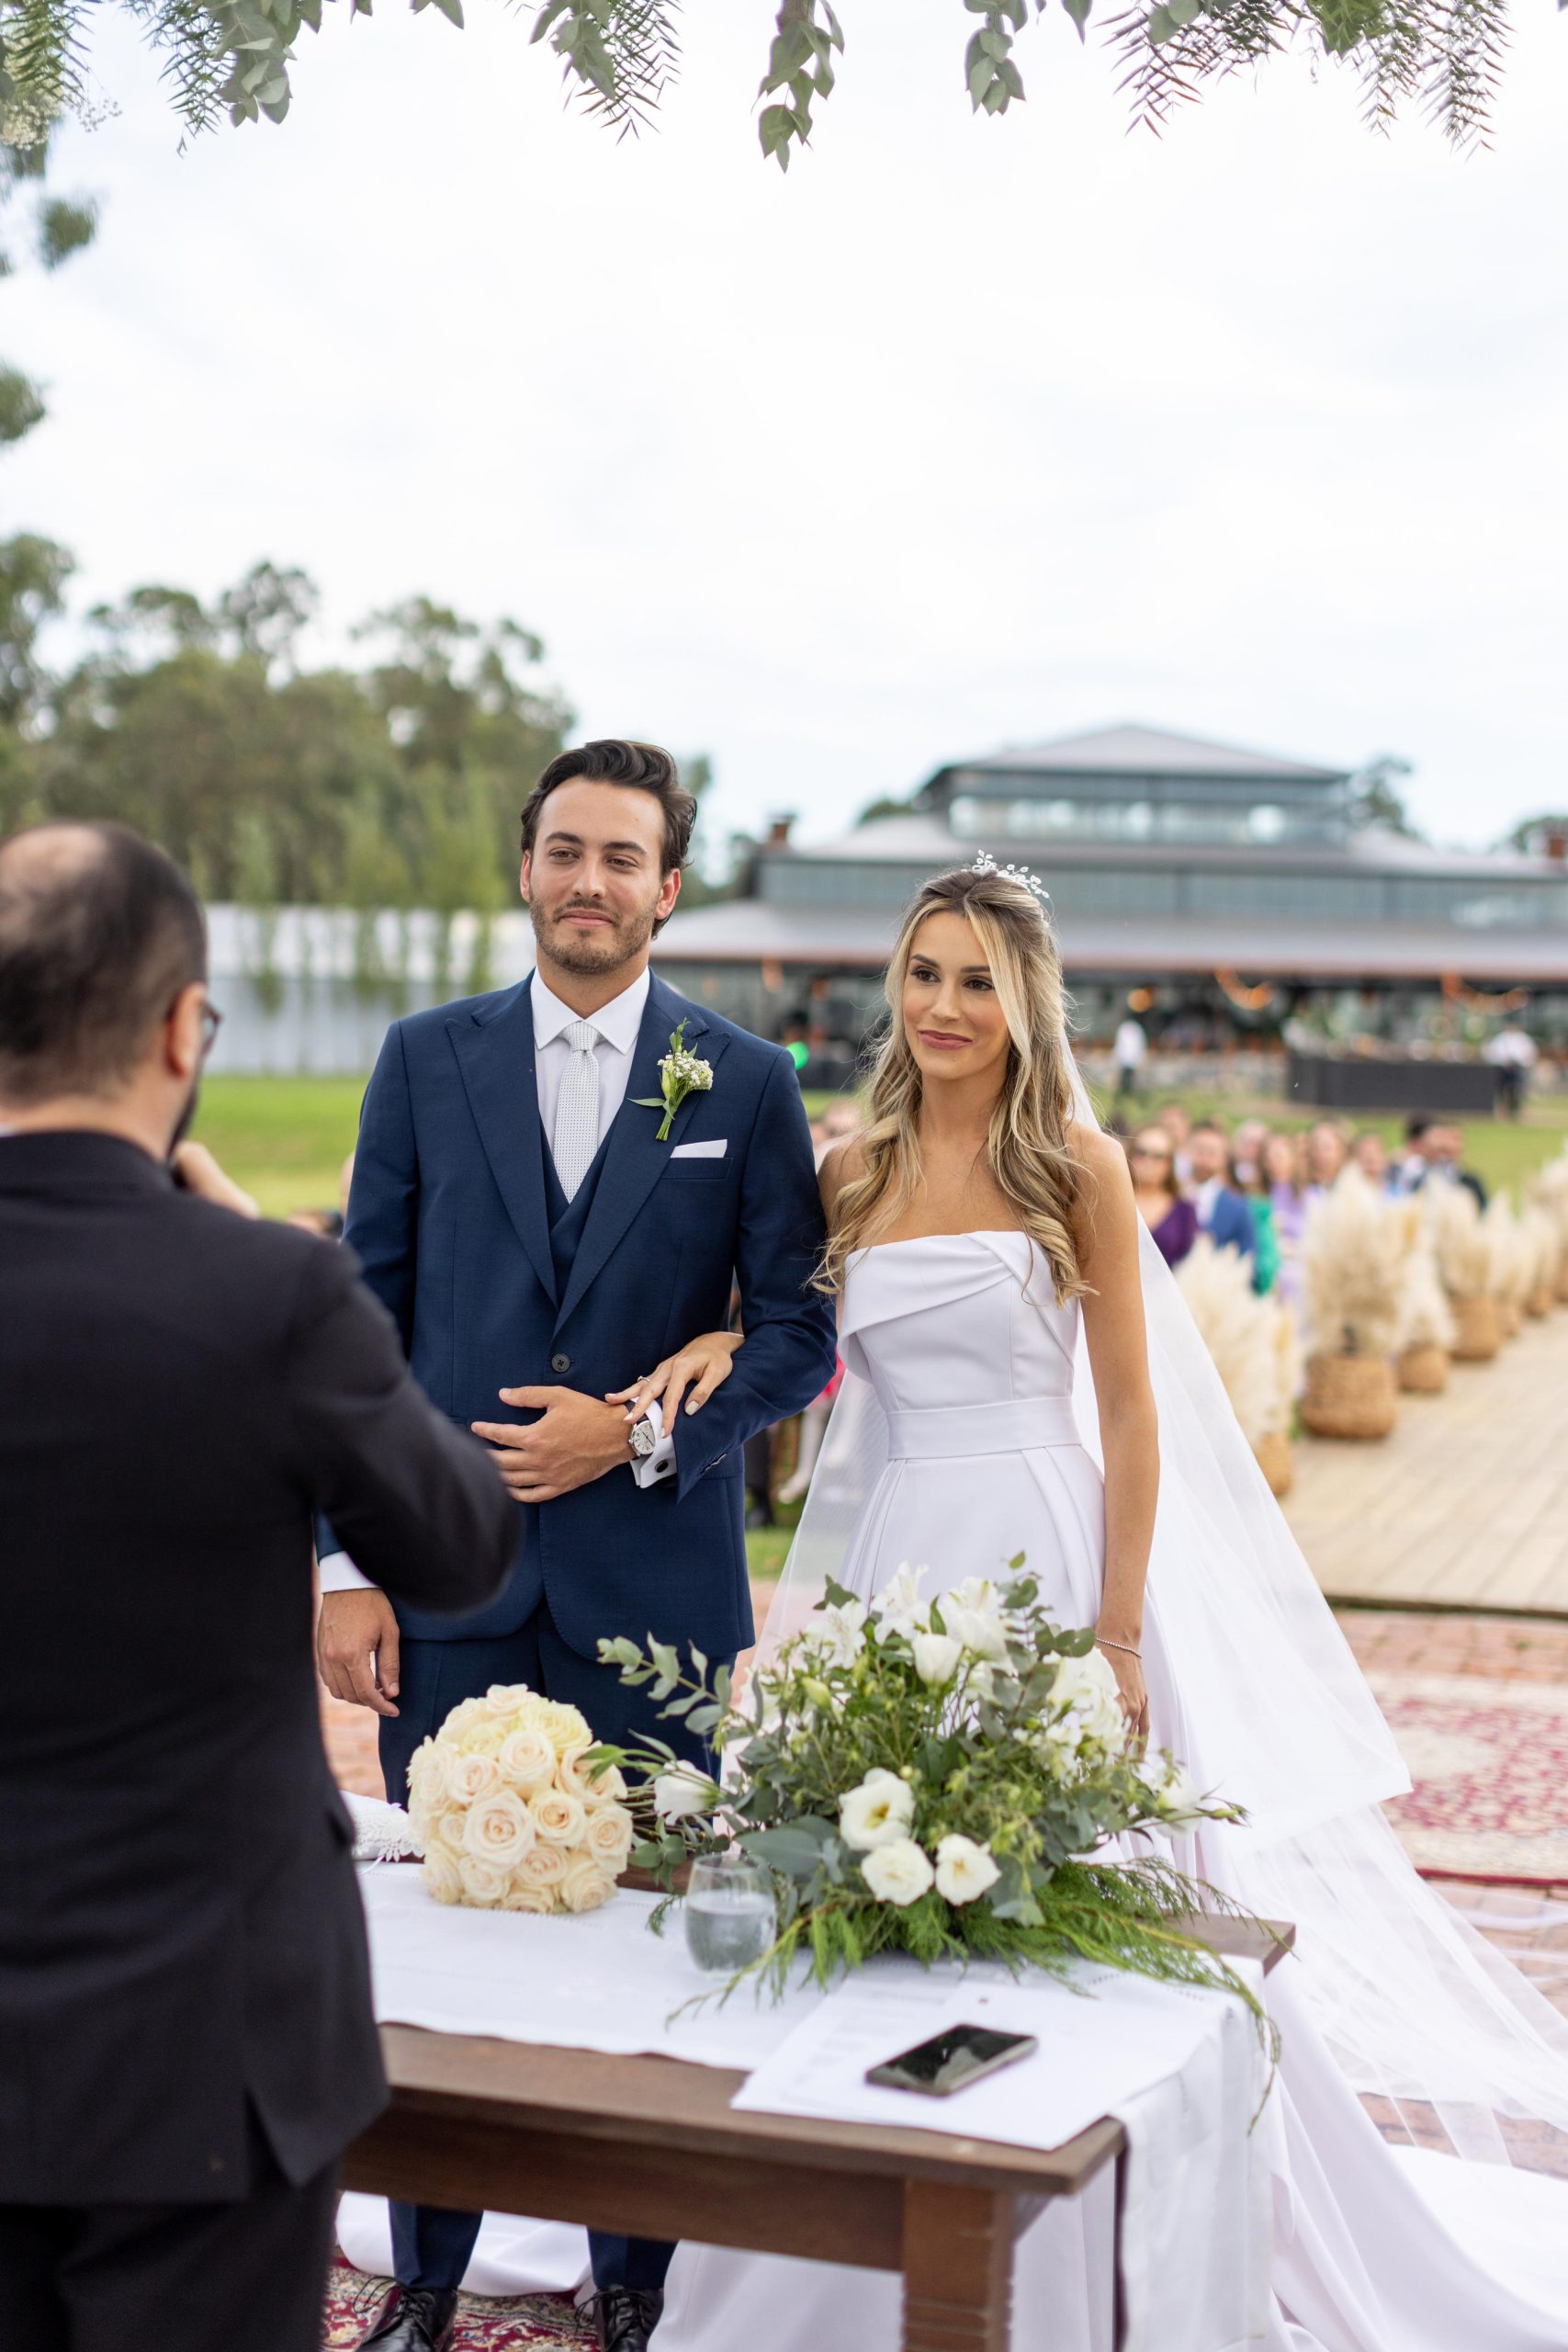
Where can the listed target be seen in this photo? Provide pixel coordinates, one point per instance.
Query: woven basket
(1478, 1330)
(1350, 1397)
(1276, 1459)
(1424, 1370)
(1510, 1317)
(1540, 1301)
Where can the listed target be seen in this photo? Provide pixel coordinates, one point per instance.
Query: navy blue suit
(1231, 1227)
(495, 1281)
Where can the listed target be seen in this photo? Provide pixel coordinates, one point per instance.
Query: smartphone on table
(951, 2060)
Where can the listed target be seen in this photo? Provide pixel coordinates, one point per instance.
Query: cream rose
(430, 1776)
(559, 1817)
(608, 1786)
(878, 1813)
(963, 1869)
(521, 1896)
(583, 1885)
(542, 1866)
(899, 1872)
(504, 1698)
(563, 1727)
(440, 1871)
(483, 1883)
(499, 1829)
(449, 1830)
(609, 1837)
(526, 1760)
(473, 1777)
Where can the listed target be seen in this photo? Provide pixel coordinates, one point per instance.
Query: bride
(1023, 1376)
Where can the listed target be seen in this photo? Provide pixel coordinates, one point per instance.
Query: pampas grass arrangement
(1425, 1318)
(1467, 1251)
(1255, 1350)
(1513, 1262)
(1541, 1239)
(1353, 1254)
(1549, 1191)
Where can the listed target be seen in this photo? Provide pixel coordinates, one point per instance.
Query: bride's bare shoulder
(1101, 1160)
(843, 1164)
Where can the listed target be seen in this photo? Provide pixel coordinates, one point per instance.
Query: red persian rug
(1490, 1763)
(515, 2324)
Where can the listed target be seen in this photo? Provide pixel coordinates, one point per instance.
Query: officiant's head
(607, 832)
(104, 1013)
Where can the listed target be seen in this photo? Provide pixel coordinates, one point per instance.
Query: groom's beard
(589, 953)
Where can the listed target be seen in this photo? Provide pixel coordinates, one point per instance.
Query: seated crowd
(1248, 1187)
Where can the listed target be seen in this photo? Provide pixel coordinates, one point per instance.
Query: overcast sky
(965, 433)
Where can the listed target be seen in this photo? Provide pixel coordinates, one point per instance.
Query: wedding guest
(1513, 1054)
(1287, 1199)
(1260, 1208)
(1222, 1213)
(1169, 1215)
(1369, 1154)
(1433, 1151)
(1326, 1155)
(1177, 1123)
(1131, 1052)
(1246, 1143)
(186, 2041)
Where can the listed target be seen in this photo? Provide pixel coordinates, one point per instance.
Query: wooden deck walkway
(1465, 1505)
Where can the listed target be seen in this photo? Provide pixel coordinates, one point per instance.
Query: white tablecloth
(1180, 2067)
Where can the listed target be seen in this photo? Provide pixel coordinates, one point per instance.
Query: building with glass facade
(1231, 886)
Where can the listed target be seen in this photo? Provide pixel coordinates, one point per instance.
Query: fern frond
(622, 54)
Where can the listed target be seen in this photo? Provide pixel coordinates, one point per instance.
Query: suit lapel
(495, 1054)
(634, 1160)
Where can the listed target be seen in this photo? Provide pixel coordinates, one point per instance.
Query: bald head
(99, 932)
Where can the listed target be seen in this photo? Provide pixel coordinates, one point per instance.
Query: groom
(538, 1246)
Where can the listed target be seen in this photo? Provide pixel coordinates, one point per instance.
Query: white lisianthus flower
(836, 1635)
(878, 1813)
(1179, 1799)
(972, 1613)
(899, 1872)
(1087, 1687)
(498, 1828)
(963, 1869)
(898, 1608)
(936, 1656)
(526, 1760)
(682, 1792)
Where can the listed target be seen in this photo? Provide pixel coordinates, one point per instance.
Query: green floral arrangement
(937, 1777)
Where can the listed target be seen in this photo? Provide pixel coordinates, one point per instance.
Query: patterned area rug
(1490, 1763)
(520, 2324)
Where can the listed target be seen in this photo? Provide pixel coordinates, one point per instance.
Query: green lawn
(283, 1139)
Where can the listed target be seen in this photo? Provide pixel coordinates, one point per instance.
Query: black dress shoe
(414, 2319)
(625, 2316)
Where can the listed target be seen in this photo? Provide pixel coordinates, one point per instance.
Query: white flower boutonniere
(679, 1073)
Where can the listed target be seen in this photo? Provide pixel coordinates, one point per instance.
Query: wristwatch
(642, 1439)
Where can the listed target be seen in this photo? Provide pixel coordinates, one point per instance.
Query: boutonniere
(679, 1073)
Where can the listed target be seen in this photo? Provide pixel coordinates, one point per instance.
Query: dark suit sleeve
(790, 1348)
(414, 1500)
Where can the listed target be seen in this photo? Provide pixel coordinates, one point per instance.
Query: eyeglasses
(1143, 1151)
(211, 1021)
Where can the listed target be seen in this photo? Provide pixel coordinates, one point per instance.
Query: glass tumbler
(731, 1913)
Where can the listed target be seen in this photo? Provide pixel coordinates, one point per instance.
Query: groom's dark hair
(612, 760)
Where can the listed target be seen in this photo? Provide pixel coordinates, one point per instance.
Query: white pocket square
(713, 1150)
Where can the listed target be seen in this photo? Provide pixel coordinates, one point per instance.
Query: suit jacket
(448, 1213)
(1231, 1225)
(180, 1928)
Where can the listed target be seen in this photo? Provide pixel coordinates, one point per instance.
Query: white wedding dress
(985, 1452)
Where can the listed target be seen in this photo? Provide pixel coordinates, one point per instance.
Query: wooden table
(651, 2147)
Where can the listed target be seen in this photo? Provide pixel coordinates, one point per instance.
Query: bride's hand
(701, 1365)
(1130, 1688)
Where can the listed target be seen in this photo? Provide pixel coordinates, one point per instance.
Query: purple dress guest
(1176, 1232)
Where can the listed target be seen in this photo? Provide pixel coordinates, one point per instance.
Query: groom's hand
(578, 1440)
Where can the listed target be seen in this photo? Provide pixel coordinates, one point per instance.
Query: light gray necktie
(576, 1136)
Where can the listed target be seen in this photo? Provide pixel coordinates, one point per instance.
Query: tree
(55, 228)
(1531, 835)
(875, 810)
(1376, 799)
(232, 56)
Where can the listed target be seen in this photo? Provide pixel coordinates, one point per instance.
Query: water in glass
(731, 1913)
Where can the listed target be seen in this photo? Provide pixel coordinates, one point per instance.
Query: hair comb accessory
(985, 863)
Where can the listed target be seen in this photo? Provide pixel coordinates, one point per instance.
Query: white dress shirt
(618, 1024)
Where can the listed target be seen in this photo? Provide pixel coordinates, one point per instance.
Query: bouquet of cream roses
(517, 1809)
(940, 1777)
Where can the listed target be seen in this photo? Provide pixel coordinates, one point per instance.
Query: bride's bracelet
(1103, 1642)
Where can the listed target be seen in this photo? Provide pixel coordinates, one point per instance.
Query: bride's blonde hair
(1027, 1147)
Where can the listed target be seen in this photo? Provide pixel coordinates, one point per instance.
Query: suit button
(560, 1363)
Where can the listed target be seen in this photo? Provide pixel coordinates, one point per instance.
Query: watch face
(643, 1439)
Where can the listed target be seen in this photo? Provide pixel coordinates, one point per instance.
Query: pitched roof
(1132, 750)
